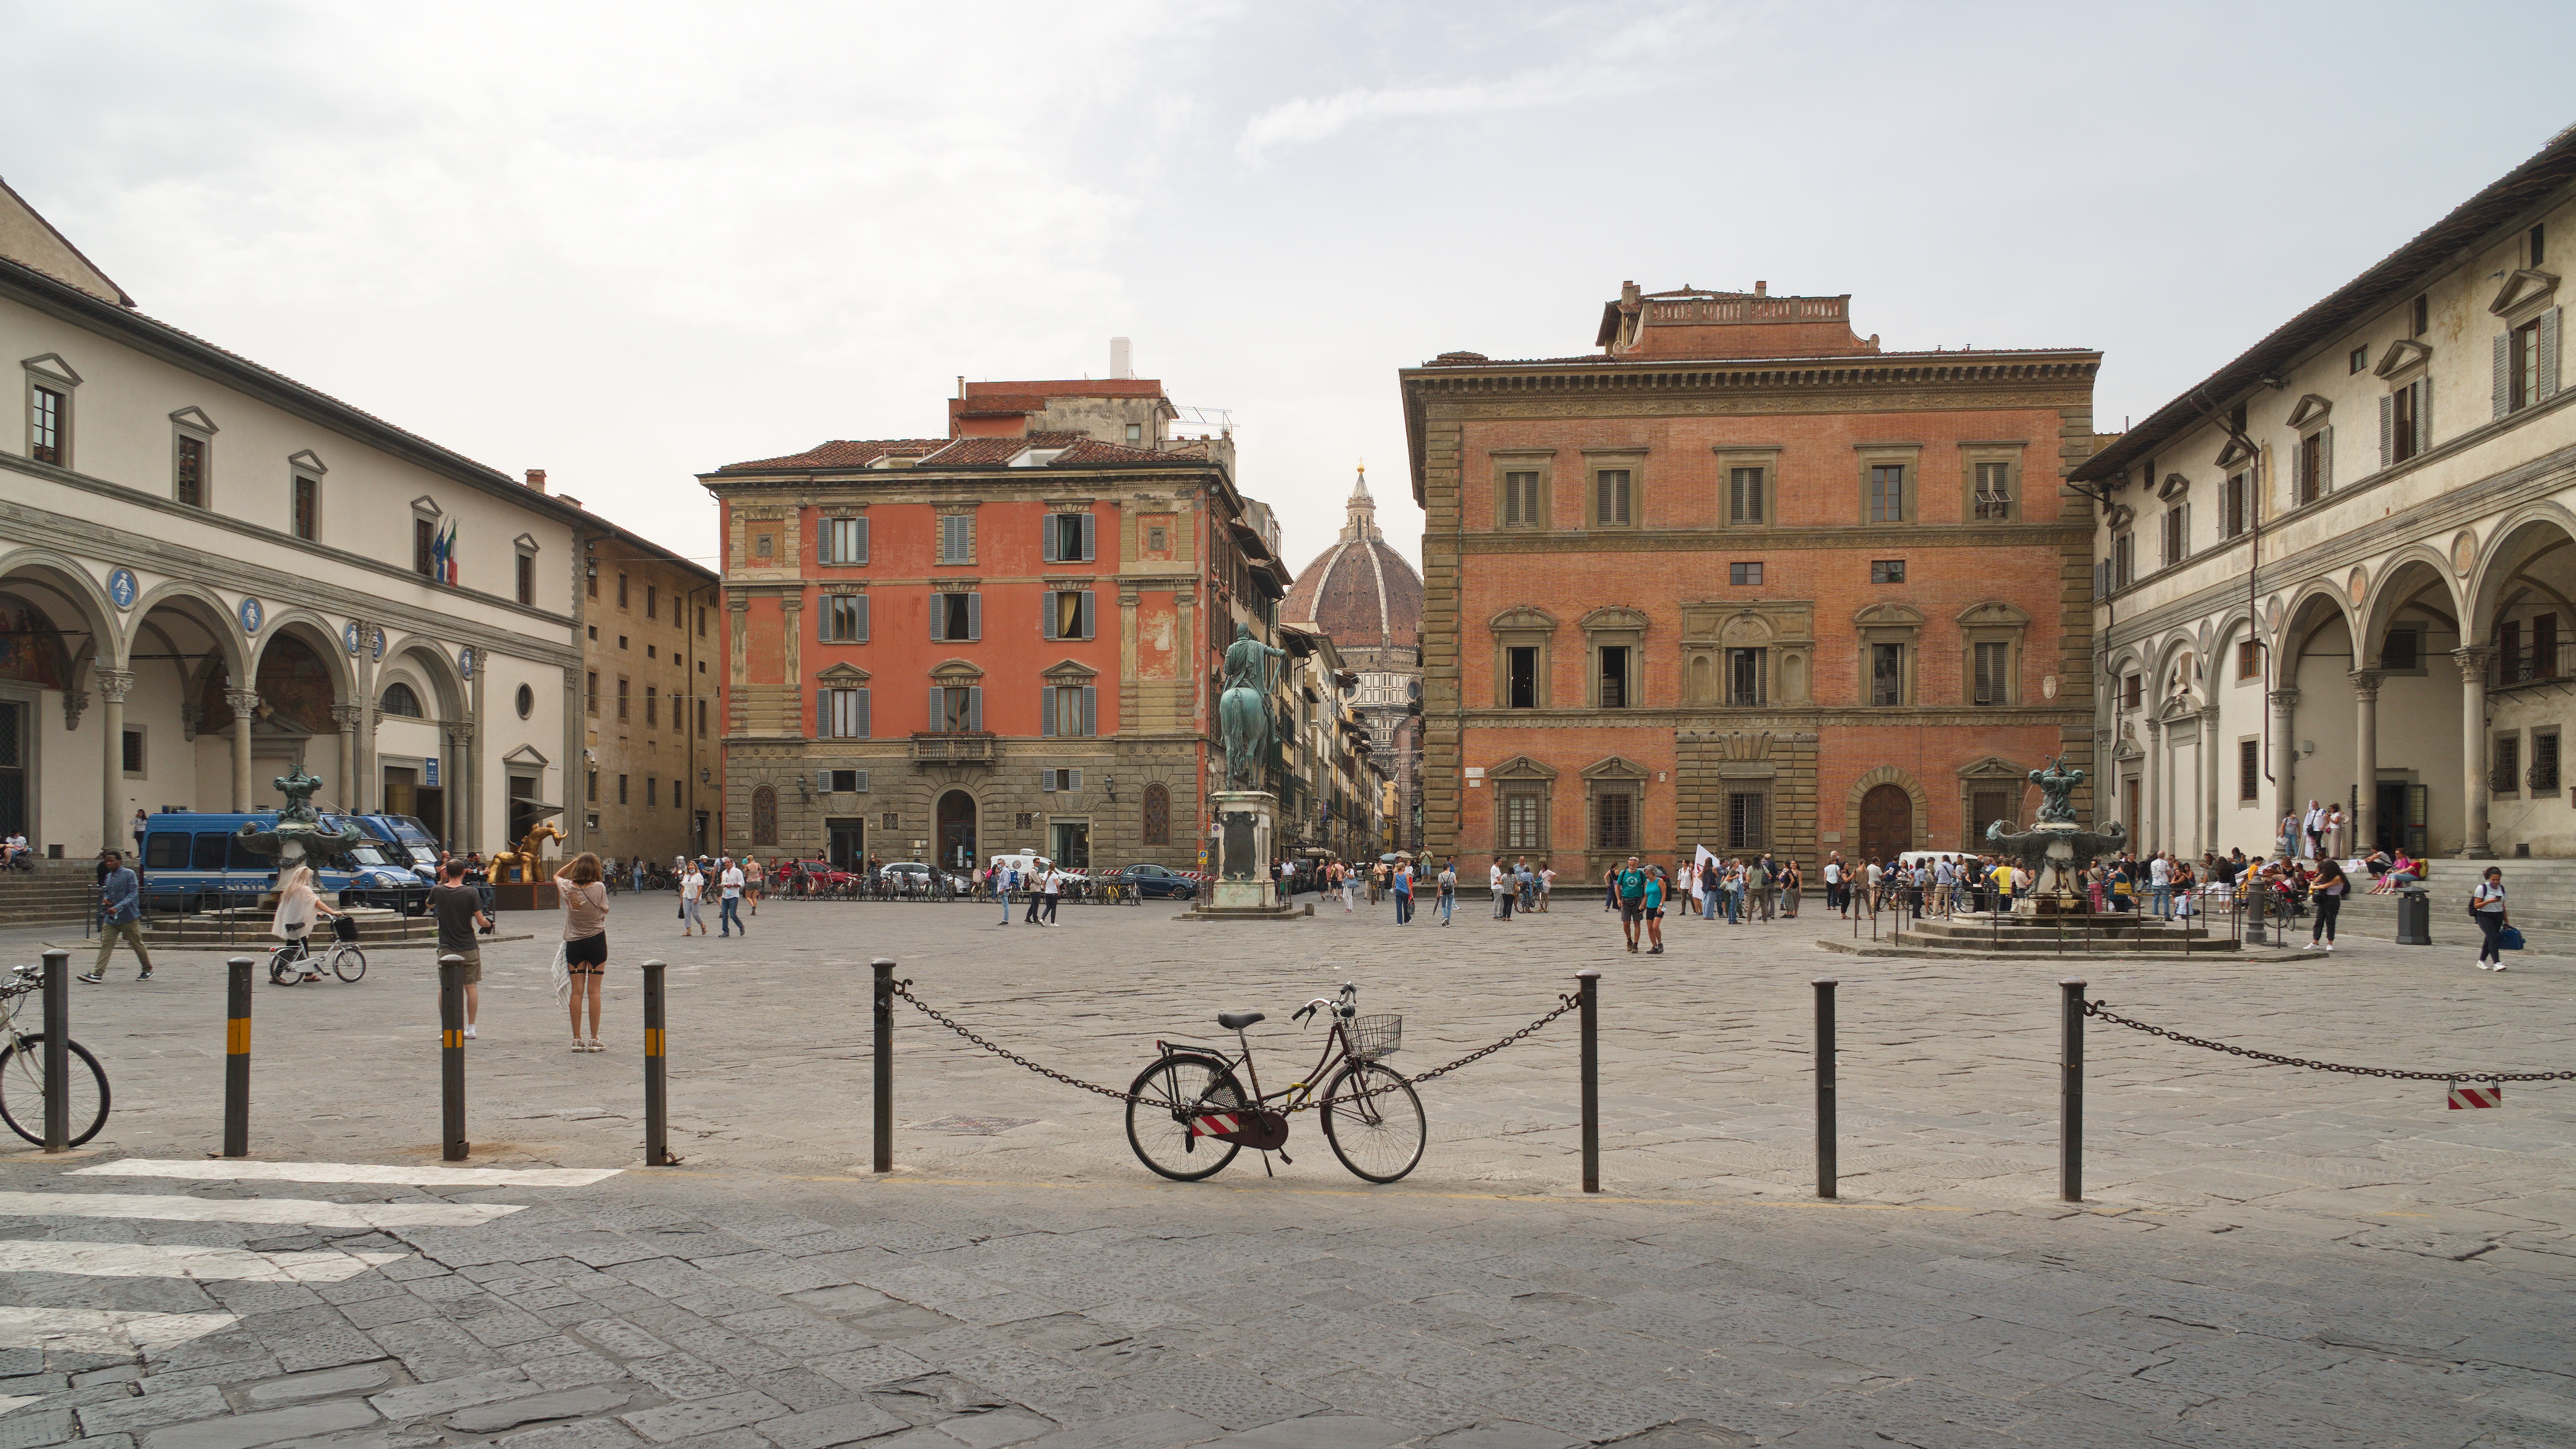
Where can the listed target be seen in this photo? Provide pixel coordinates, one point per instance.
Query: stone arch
(429, 663)
(2517, 542)
(57, 574)
(2403, 580)
(2312, 606)
(1522, 618)
(315, 633)
(202, 608)
(1890, 775)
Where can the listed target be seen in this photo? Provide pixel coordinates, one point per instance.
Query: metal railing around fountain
(2202, 910)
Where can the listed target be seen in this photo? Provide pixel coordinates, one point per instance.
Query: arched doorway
(957, 830)
(1886, 822)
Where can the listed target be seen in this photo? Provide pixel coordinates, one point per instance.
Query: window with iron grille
(621, 789)
(188, 480)
(2249, 770)
(2505, 766)
(1747, 812)
(622, 695)
(1158, 815)
(652, 708)
(1521, 822)
(1985, 807)
(2544, 762)
(1614, 822)
(1994, 491)
(2404, 650)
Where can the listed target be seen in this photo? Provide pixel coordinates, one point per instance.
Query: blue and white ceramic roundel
(380, 643)
(251, 615)
(349, 637)
(122, 588)
(465, 662)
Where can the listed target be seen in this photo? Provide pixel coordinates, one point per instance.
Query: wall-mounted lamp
(704, 776)
(1109, 783)
(2307, 747)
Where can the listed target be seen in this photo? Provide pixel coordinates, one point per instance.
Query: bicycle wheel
(284, 969)
(22, 1090)
(1374, 1121)
(349, 963)
(1191, 1084)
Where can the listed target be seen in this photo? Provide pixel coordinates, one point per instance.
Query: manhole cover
(975, 1126)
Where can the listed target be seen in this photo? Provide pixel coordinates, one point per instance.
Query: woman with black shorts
(585, 904)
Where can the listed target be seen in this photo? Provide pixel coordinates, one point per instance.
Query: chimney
(1762, 289)
(1628, 293)
(1120, 364)
(537, 479)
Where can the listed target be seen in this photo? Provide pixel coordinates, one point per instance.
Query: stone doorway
(1886, 823)
(957, 830)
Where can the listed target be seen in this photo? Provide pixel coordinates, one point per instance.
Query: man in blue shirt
(1631, 886)
(120, 905)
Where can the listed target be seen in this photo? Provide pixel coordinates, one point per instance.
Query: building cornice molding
(1702, 540)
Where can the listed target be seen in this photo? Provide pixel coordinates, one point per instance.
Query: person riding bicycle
(297, 904)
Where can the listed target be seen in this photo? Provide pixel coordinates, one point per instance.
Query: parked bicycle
(22, 1070)
(1197, 1113)
(295, 962)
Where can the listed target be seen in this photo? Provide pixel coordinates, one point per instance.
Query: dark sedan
(1153, 882)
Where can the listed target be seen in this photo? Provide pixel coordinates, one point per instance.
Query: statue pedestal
(1244, 844)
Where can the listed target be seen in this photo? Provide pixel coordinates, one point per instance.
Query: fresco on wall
(31, 648)
(294, 687)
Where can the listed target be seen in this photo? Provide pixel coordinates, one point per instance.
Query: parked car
(1153, 882)
(913, 875)
(193, 860)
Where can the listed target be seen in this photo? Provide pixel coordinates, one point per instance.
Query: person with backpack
(1628, 887)
(1448, 888)
(2487, 908)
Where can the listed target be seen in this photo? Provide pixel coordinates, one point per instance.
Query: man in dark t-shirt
(459, 910)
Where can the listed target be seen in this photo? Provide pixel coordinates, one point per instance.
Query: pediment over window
(957, 670)
(2233, 453)
(1991, 768)
(425, 506)
(308, 460)
(1615, 617)
(1615, 768)
(1070, 669)
(525, 755)
(1523, 618)
(2403, 355)
(2176, 485)
(195, 417)
(2309, 412)
(842, 674)
(1746, 630)
(1521, 767)
(1889, 616)
(2525, 288)
(2122, 515)
(52, 363)
(1993, 614)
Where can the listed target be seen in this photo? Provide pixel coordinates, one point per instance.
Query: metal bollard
(237, 996)
(451, 1058)
(885, 1065)
(1825, 1165)
(657, 1087)
(2070, 1091)
(58, 1051)
(1589, 983)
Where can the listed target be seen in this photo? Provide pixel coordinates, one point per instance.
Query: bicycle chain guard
(1250, 1127)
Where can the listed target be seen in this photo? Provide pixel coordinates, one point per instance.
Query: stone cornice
(1740, 541)
(1698, 718)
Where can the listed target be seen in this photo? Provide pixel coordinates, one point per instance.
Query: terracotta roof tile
(842, 453)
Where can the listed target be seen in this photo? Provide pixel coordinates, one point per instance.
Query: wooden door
(1886, 823)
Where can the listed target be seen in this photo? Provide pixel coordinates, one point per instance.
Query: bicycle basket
(1376, 1037)
(343, 929)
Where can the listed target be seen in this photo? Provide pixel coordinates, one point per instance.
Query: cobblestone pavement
(2266, 1256)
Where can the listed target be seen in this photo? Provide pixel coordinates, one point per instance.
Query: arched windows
(400, 700)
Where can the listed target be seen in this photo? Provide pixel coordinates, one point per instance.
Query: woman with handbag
(298, 903)
(585, 942)
(2486, 907)
(2327, 891)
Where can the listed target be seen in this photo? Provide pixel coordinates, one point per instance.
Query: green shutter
(1090, 710)
(1090, 538)
(1046, 709)
(1087, 630)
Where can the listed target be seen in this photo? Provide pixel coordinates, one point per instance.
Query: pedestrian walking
(2160, 885)
(1404, 894)
(1448, 888)
(693, 884)
(754, 881)
(1006, 879)
(585, 937)
(298, 906)
(2486, 907)
(1350, 888)
(458, 909)
(729, 906)
(1610, 890)
(2314, 824)
(121, 918)
(1628, 888)
(1793, 884)
(1546, 886)
(1653, 901)
(1054, 891)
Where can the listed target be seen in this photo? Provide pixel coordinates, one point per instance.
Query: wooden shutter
(1090, 537)
(822, 714)
(2387, 425)
(2423, 415)
(822, 782)
(2547, 383)
(1046, 540)
(2501, 389)
(1088, 631)
(1046, 709)
(974, 617)
(2325, 459)
(859, 527)
(1046, 781)
(1090, 709)
(860, 602)
(823, 542)
(975, 709)
(1046, 618)
(865, 724)
(938, 616)
(938, 708)
(1073, 779)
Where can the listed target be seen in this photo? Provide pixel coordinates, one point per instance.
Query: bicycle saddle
(1237, 1020)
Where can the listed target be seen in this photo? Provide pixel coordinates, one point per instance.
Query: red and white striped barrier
(2466, 1097)
(1217, 1123)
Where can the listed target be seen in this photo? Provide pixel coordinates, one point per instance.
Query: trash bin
(2414, 917)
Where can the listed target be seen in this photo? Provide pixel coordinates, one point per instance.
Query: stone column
(243, 702)
(2285, 761)
(2213, 770)
(2473, 660)
(2151, 825)
(2365, 760)
(366, 785)
(347, 716)
(112, 685)
(462, 824)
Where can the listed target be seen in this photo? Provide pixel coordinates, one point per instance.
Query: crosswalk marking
(104, 1330)
(187, 1260)
(247, 1171)
(306, 1211)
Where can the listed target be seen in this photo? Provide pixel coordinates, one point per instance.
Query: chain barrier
(903, 989)
(2100, 1009)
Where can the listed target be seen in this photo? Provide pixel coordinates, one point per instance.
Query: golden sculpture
(516, 866)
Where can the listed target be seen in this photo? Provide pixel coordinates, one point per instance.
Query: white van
(1027, 862)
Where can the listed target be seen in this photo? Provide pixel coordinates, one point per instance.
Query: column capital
(2365, 683)
(348, 716)
(2285, 698)
(242, 701)
(74, 702)
(2474, 656)
(112, 683)
(460, 733)
(2155, 727)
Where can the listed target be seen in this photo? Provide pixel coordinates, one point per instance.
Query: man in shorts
(1630, 884)
(458, 908)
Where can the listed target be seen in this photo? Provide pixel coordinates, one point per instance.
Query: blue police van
(196, 861)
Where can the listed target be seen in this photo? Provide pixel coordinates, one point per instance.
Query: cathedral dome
(1360, 591)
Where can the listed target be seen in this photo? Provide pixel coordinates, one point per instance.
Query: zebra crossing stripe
(306, 1211)
(243, 1170)
(186, 1260)
(104, 1330)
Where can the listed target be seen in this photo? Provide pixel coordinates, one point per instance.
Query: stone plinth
(1245, 836)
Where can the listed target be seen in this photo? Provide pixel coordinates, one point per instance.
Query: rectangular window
(653, 792)
(622, 695)
(621, 591)
(590, 693)
(1069, 614)
(2358, 359)
(2532, 253)
(1520, 498)
(1994, 491)
(2124, 559)
(188, 485)
(308, 507)
(2404, 434)
(1886, 674)
(1068, 538)
(1520, 823)
(424, 538)
(47, 418)
(1744, 495)
(2177, 531)
(1613, 503)
(621, 789)
(702, 717)
(2506, 765)
(1745, 814)
(2249, 770)
(841, 782)
(841, 541)
(845, 618)
(2419, 319)
(1614, 676)
(2404, 650)
(652, 707)
(2249, 659)
(1993, 680)
(2544, 763)
(2133, 691)
(2307, 469)
(133, 752)
(702, 621)
(1522, 661)
(528, 579)
(956, 618)
(590, 788)
(2522, 356)
(1069, 709)
(1615, 820)
(2231, 505)
(957, 709)
(1059, 781)
(1887, 571)
(1744, 573)
(842, 714)
(1887, 493)
(1746, 674)
(652, 601)
(2544, 647)
(957, 538)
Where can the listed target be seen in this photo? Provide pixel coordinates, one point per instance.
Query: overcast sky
(630, 243)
